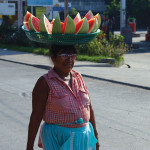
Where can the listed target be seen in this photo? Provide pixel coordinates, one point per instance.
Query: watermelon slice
(34, 23)
(89, 15)
(92, 25)
(52, 22)
(45, 25)
(62, 24)
(98, 17)
(26, 25)
(82, 26)
(69, 26)
(27, 16)
(57, 25)
(95, 26)
(77, 18)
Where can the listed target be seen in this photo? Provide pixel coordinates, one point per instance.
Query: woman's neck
(64, 76)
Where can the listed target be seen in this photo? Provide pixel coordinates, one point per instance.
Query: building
(83, 6)
(86, 5)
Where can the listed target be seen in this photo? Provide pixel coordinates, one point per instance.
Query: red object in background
(132, 26)
(104, 28)
(147, 37)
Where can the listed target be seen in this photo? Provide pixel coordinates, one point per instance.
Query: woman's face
(64, 61)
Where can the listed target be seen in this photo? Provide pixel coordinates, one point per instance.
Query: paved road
(122, 112)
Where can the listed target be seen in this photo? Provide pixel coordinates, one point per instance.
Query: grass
(89, 58)
(42, 51)
(45, 51)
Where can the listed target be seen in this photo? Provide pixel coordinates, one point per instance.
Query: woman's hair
(55, 49)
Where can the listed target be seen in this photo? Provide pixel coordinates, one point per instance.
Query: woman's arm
(39, 98)
(93, 122)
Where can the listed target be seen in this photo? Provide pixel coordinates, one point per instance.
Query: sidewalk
(138, 75)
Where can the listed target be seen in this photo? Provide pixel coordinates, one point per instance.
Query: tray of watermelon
(71, 31)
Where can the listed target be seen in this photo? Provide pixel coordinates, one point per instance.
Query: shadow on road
(140, 47)
(9, 52)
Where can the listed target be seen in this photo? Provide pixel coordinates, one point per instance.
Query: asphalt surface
(122, 112)
(135, 72)
(120, 95)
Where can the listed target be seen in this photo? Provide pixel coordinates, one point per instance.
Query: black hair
(55, 49)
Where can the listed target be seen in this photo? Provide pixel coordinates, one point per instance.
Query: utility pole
(20, 14)
(124, 29)
(66, 8)
(122, 14)
(25, 6)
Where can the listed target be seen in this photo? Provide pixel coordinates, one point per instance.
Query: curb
(84, 75)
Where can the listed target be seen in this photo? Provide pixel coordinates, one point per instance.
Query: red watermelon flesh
(89, 15)
(52, 22)
(82, 26)
(49, 26)
(77, 18)
(97, 16)
(78, 26)
(91, 24)
(27, 16)
(35, 23)
(26, 25)
(69, 26)
(64, 26)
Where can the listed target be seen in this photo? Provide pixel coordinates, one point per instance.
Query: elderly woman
(60, 98)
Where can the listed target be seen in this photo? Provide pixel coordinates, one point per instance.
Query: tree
(113, 9)
(140, 9)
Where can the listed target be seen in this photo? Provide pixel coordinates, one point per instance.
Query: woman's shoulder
(42, 79)
(76, 74)
(41, 83)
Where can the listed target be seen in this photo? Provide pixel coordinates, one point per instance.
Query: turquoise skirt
(55, 137)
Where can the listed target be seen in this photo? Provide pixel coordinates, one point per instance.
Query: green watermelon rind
(27, 16)
(98, 19)
(57, 26)
(42, 26)
(95, 26)
(70, 26)
(30, 24)
(77, 18)
(85, 27)
(32, 28)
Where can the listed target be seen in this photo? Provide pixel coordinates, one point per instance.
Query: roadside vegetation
(134, 9)
(98, 49)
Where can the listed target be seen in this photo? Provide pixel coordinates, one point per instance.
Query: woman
(61, 99)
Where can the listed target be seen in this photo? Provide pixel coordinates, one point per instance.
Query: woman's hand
(32, 149)
(97, 146)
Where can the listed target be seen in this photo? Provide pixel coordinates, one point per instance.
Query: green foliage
(39, 50)
(74, 11)
(5, 33)
(140, 9)
(114, 48)
(109, 1)
(16, 37)
(90, 58)
(19, 38)
(113, 8)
